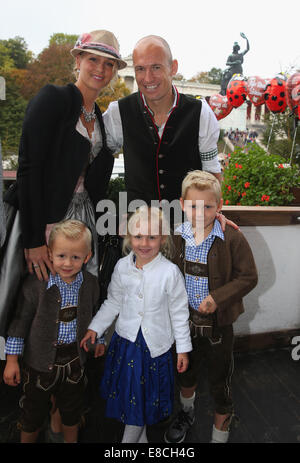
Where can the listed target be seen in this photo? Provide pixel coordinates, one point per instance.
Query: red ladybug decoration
(293, 93)
(256, 87)
(236, 91)
(220, 105)
(275, 95)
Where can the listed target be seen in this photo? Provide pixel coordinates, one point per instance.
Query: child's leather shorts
(216, 352)
(66, 382)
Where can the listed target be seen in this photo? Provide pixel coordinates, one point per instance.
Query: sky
(200, 33)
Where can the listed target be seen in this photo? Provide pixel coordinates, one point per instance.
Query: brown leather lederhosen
(200, 324)
(210, 342)
(66, 381)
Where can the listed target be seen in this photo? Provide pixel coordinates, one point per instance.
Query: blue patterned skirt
(138, 389)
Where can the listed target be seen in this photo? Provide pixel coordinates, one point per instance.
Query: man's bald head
(155, 40)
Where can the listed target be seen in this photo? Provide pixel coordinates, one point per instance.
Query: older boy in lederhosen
(219, 271)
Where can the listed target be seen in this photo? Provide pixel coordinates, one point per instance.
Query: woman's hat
(102, 43)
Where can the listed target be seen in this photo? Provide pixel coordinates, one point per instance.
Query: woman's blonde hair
(71, 229)
(201, 180)
(158, 226)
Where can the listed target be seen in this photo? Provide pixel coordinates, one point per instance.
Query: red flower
(281, 166)
(229, 188)
(234, 177)
(227, 201)
(265, 198)
(244, 194)
(247, 184)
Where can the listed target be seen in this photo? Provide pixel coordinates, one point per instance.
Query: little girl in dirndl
(147, 295)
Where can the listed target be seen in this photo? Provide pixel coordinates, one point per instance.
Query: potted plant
(254, 178)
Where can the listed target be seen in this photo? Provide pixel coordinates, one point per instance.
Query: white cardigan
(153, 298)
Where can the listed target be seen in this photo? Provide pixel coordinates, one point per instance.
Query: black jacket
(37, 315)
(52, 156)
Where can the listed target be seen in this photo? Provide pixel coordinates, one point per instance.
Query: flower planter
(253, 178)
(262, 215)
(296, 193)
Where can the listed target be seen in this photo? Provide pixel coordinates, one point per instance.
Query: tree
(53, 65)
(215, 76)
(200, 77)
(111, 93)
(17, 51)
(14, 58)
(12, 111)
(6, 62)
(62, 39)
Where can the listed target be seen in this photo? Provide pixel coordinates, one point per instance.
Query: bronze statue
(234, 61)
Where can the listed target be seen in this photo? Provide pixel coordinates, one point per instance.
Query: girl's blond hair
(201, 180)
(71, 229)
(159, 226)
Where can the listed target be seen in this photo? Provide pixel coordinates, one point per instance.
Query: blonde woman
(64, 164)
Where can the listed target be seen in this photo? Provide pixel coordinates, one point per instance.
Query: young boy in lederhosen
(51, 319)
(219, 271)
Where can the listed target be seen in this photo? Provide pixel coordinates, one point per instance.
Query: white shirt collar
(146, 266)
(176, 96)
(186, 231)
(56, 280)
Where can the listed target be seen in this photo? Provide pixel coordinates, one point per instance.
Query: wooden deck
(265, 389)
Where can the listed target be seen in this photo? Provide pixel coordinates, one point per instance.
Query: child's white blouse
(153, 299)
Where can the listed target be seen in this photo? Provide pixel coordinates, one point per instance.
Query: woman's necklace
(88, 116)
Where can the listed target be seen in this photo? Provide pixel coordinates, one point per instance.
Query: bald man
(164, 134)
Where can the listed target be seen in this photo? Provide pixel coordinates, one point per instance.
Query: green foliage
(215, 76)
(115, 186)
(254, 178)
(62, 39)
(14, 58)
(16, 50)
(11, 112)
(112, 92)
(54, 65)
(6, 62)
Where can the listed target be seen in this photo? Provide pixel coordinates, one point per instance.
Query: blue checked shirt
(66, 331)
(197, 287)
